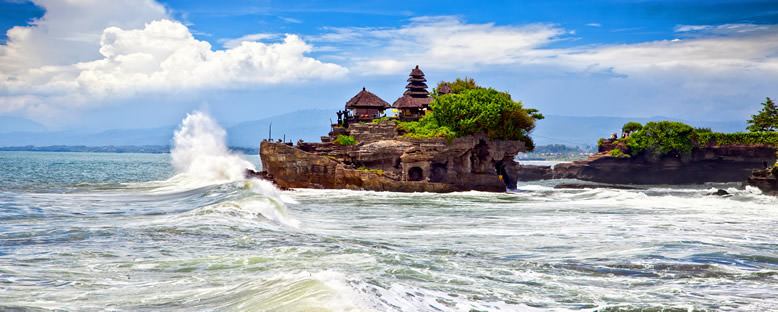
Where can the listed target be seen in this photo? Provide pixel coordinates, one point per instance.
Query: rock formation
(384, 160)
(535, 173)
(765, 179)
(727, 163)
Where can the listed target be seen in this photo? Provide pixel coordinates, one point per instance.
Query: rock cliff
(765, 179)
(728, 163)
(384, 160)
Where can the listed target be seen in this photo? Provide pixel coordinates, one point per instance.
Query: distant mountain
(19, 124)
(155, 136)
(310, 125)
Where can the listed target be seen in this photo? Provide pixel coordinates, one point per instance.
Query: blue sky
(88, 64)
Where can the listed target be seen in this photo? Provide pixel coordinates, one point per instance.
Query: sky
(94, 64)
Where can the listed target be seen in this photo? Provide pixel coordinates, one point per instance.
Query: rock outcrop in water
(728, 163)
(384, 160)
(765, 179)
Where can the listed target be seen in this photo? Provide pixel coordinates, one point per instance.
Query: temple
(365, 106)
(415, 99)
(445, 89)
(412, 105)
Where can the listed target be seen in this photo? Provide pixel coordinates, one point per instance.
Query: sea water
(186, 232)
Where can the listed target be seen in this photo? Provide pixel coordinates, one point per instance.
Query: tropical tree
(487, 110)
(766, 119)
(631, 126)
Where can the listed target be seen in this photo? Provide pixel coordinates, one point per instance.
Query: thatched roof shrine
(445, 89)
(366, 99)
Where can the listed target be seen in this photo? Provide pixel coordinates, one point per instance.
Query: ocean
(186, 232)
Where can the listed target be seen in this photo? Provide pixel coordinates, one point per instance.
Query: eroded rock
(384, 161)
(707, 164)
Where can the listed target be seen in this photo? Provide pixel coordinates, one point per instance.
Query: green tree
(766, 119)
(485, 110)
(459, 85)
(662, 138)
(631, 126)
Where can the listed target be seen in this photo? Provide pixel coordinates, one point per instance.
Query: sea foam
(199, 151)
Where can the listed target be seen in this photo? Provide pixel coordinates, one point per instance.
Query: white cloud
(438, 42)
(70, 31)
(687, 28)
(163, 56)
(232, 43)
(726, 49)
(290, 20)
(594, 25)
(449, 43)
(710, 69)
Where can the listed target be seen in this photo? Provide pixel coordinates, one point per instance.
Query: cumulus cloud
(70, 31)
(163, 56)
(232, 43)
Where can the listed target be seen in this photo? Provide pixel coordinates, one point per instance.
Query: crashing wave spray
(200, 157)
(199, 151)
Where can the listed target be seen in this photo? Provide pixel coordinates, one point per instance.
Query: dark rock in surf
(726, 163)
(720, 192)
(262, 175)
(535, 173)
(765, 179)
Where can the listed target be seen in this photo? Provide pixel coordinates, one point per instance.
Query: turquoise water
(84, 231)
(186, 232)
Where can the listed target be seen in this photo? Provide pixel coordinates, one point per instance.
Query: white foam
(200, 155)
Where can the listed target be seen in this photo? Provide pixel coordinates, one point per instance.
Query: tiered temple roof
(416, 95)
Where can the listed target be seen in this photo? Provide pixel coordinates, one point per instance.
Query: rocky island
(466, 139)
(674, 153)
(385, 160)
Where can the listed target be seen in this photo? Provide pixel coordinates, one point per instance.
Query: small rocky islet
(367, 151)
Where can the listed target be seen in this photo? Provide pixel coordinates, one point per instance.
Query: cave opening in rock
(437, 172)
(509, 182)
(479, 157)
(415, 174)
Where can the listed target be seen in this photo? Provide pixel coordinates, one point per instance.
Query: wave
(199, 152)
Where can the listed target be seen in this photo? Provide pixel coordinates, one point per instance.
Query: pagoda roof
(416, 85)
(407, 101)
(445, 89)
(417, 72)
(424, 93)
(414, 79)
(366, 99)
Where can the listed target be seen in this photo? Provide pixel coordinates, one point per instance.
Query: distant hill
(311, 124)
(18, 124)
(308, 125)
(123, 137)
